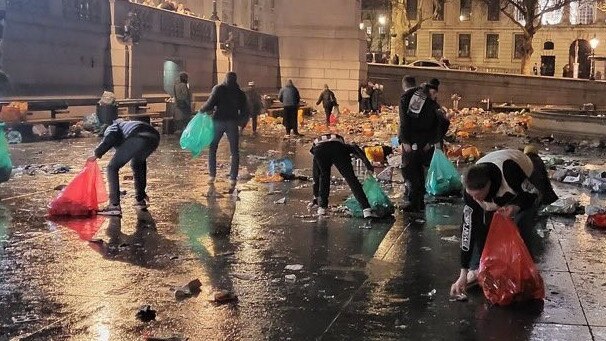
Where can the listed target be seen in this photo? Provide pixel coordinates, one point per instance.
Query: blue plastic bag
(6, 165)
(442, 177)
(199, 134)
(281, 166)
(378, 200)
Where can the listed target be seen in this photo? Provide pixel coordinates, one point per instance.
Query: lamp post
(215, 15)
(382, 22)
(594, 44)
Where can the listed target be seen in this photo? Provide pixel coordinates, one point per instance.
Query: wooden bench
(135, 109)
(60, 125)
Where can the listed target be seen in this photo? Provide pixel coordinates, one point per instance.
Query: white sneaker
(369, 213)
(321, 211)
(211, 180)
(111, 210)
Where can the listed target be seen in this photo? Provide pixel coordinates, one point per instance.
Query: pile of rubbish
(34, 169)
(469, 122)
(594, 180)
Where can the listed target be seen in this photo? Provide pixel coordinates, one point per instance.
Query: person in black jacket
(498, 183)
(229, 109)
(539, 176)
(328, 100)
(329, 150)
(134, 141)
(183, 101)
(420, 131)
(290, 98)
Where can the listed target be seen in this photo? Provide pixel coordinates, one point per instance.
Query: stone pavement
(357, 283)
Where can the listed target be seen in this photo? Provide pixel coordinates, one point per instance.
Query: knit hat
(531, 149)
(433, 83)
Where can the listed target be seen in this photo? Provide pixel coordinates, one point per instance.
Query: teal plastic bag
(378, 200)
(6, 165)
(198, 134)
(442, 177)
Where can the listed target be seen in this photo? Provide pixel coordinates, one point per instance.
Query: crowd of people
(508, 182)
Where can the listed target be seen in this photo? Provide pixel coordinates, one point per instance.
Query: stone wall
(500, 88)
(321, 43)
(186, 41)
(55, 47)
(253, 56)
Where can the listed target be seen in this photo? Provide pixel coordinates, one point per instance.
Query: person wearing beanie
(420, 130)
(229, 110)
(255, 105)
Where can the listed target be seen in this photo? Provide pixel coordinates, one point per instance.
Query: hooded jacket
(327, 98)
(119, 131)
(289, 95)
(227, 100)
(423, 127)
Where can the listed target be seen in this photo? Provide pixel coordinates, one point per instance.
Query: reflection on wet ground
(86, 279)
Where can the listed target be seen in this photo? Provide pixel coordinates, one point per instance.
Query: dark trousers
(135, 149)
(253, 118)
(413, 170)
(328, 111)
(229, 128)
(366, 104)
(326, 155)
(290, 119)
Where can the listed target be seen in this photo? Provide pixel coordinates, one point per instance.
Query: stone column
(320, 47)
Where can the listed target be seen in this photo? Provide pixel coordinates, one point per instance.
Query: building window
(369, 30)
(518, 44)
(437, 45)
(438, 10)
(492, 46)
(553, 17)
(582, 14)
(411, 45)
(464, 45)
(494, 10)
(411, 9)
(465, 13)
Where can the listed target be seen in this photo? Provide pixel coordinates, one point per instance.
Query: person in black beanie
(420, 131)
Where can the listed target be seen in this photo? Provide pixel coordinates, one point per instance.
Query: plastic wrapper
(507, 272)
(82, 196)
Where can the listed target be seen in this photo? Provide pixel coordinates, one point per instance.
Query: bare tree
(403, 26)
(528, 14)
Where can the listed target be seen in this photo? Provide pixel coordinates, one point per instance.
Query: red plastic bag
(81, 198)
(507, 272)
(86, 228)
(333, 120)
(597, 220)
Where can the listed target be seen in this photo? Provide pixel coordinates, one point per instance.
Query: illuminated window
(492, 46)
(582, 14)
(411, 45)
(465, 13)
(494, 10)
(464, 45)
(438, 10)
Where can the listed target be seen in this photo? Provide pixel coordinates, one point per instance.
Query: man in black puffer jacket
(134, 141)
(228, 102)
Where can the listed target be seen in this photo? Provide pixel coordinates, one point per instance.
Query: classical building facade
(471, 35)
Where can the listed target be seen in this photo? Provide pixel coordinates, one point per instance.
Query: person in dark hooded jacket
(183, 100)
(134, 141)
(328, 100)
(229, 109)
(290, 98)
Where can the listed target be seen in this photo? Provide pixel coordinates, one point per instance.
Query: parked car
(429, 63)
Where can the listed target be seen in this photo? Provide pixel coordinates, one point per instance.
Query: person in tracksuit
(134, 141)
(421, 128)
(500, 182)
(329, 150)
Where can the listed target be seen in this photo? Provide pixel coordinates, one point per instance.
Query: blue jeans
(233, 135)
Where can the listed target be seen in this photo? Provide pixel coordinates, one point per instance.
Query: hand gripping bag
(507, 272)
(379, 201)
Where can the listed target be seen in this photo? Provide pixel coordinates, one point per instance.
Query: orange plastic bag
(81, 198)
(507, 272)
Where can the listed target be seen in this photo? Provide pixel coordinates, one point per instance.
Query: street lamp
(215, 15)
(361, 26)
(382, 22)
(594, 42)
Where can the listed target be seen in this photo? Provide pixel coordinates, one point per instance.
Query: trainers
(321, 211)
(141, 204)
(110, 210)
(211, 180)
(313, 205)
(369, 213)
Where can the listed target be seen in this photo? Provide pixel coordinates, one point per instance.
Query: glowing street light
(594, 42)
(382, 20)
(361, 26)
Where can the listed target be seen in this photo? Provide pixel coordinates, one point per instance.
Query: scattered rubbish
(386, 175)
(564, 206)
(401, 326)
(366, 226)
(430, 294)
(294, 267)
(14, 137)
(25, 318)
(244, 277)
(597, 220)
(425, 248)
(290, 278)
(190, 289)
(146, 314)
(572, 179)
(445, 228)
(459, 298)
(420, 221)
(453, 239)
(224, 254)
(39, 130)
(280, 201)
(223, 296)
(43, 169)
